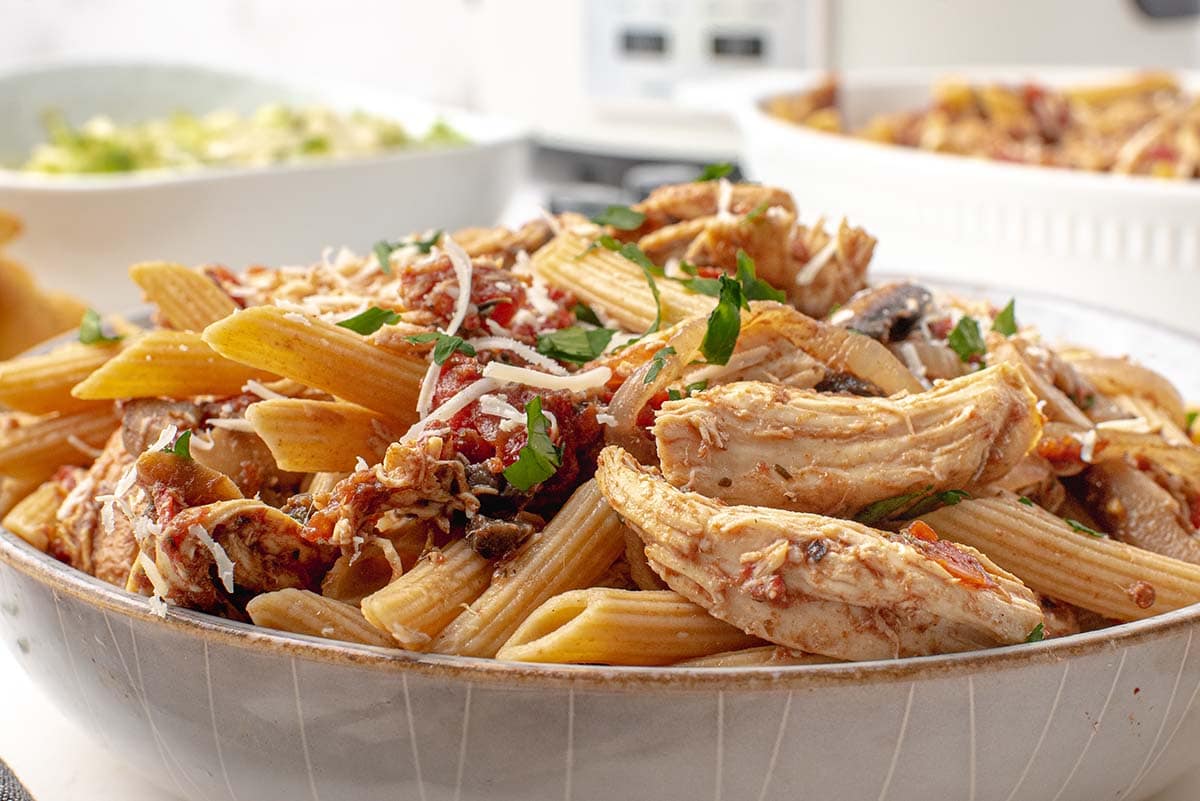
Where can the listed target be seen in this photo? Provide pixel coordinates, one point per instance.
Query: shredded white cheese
(912, 360)
(1088, 441)
(579, 382)
(739, 361)
(550, 221)
(165, 438)
(454, 405)
(75, 497)
(812, 268)
(81, 446)
(1134, 425)
(156, 578)
(724, 198)
(158, 606)
(539, 298)
(428, 385)
(256, 388)
(360, 465)
(200, 442)
(224, 563)
(521, 349)
(232, 424)
(605, 419)
(523, 265)
(462, 271)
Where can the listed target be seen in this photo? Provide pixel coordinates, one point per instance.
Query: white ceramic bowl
(83, 232)
(217, 710)
(1128, 242)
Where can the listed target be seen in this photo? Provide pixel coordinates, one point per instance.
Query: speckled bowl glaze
(216, 710)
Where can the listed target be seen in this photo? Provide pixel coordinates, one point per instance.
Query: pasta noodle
(303, 612)
(11, 491)
(33, 518)
(311, 436)
(573, 551)
(43, 383)
(620, 627)
(35, 449)
(187, 299)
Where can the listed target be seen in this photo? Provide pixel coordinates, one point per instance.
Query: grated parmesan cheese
(360, 465)
(296, 317)
(256, 388)
(724, 198)
(605, 419)
(461, 400)
(578, 382)
(812, 268)
(462, 271)
(1134, 425)
(1088, 441)
(165, 438)
(539, 298)
(912, 359)
(224, 563)
(232, 424)
(428, 385)
(521, 349)
(75, 497)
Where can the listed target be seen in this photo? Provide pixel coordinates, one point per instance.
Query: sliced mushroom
(1136, 510)
(886, 313)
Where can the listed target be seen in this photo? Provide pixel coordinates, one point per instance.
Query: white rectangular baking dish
(83, 232)
(1127, 242)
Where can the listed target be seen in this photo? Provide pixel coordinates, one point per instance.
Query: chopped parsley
(540, 458)
(584, 314)
(649, 269)
(370, 321)
(445, 347)
(928, 504)
(966, 340)
(1006, 321)
(622, 218)
(1025, 501)
(91, 330)
(757, 211)
(1082, 529)
(753, 287)
(657, 362)
(383, 252)
(182, 447)
(701, 286)
(575, 344)
(724, 324)
(383, 249)
(910, 504)
(1038, 634)
(688, 391)
(1190, 420)
(712, 172)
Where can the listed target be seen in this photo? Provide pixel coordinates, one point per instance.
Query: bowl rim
(60, 578)
(496, 131)
(749, 97)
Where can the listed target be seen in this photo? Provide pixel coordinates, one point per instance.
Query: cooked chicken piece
(173, 483)
(213, 557)
(672, 241)
(762, 354)
(827, 270)
(82, 538)
(930, 361)
(764, 238)
(1134, 509)
(417, 480)
(671, 204)
(1057, 407)
(819, 584)
(1034, 477)
(752, 442)
(886, 313)
(503, 244)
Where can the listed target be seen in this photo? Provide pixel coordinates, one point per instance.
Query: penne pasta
(42, 383)
(640, 571)
(13, 490)
(614, 284)
(319, 354)
(417, 606)
(187, 299)
(170, 364)
(1102, 575)
(573, 551)
(620, 627)
(310, 436)
(33, 518)
(36, 448)
(759, 656)
(304, 612)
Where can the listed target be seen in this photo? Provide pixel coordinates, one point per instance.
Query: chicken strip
(819, 584)
(752, 442)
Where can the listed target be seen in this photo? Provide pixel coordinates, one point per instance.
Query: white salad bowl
(1130, 242)
(212, 709)
(82, 232)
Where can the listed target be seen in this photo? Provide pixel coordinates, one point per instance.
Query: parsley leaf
(714, 171)
(584, 314)
(651, 270)
(622, 218)
(1025, 501)
(757, 211)
(445, 347)
(753, 287)
(1190, 420)
(383, 252)
(724, 324)
(575, 344)
(966, 340)
(883, 509)
(927, 504)
(182, 447)
(370, 321)
(539, 459)
(1006, 321)
(1038, 634)
(1082, 529)
(701, 286)
(688, 391)
(657, 362)
(383, 249)
(91, 330)
(425, 245)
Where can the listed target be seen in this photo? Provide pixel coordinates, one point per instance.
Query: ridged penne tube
(170, 364)
(620, 627)
(310, 436)
(419, 604)
(33, 518)
(614, 284)
(12, 490)
(759, 656)
(304, 612)
(320, 354)
(1108, 577)
(571, 552)
(187, 299)
(640, 571)
(42, 383)
(35, 449)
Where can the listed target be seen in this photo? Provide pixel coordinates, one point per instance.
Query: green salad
(273, 134)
